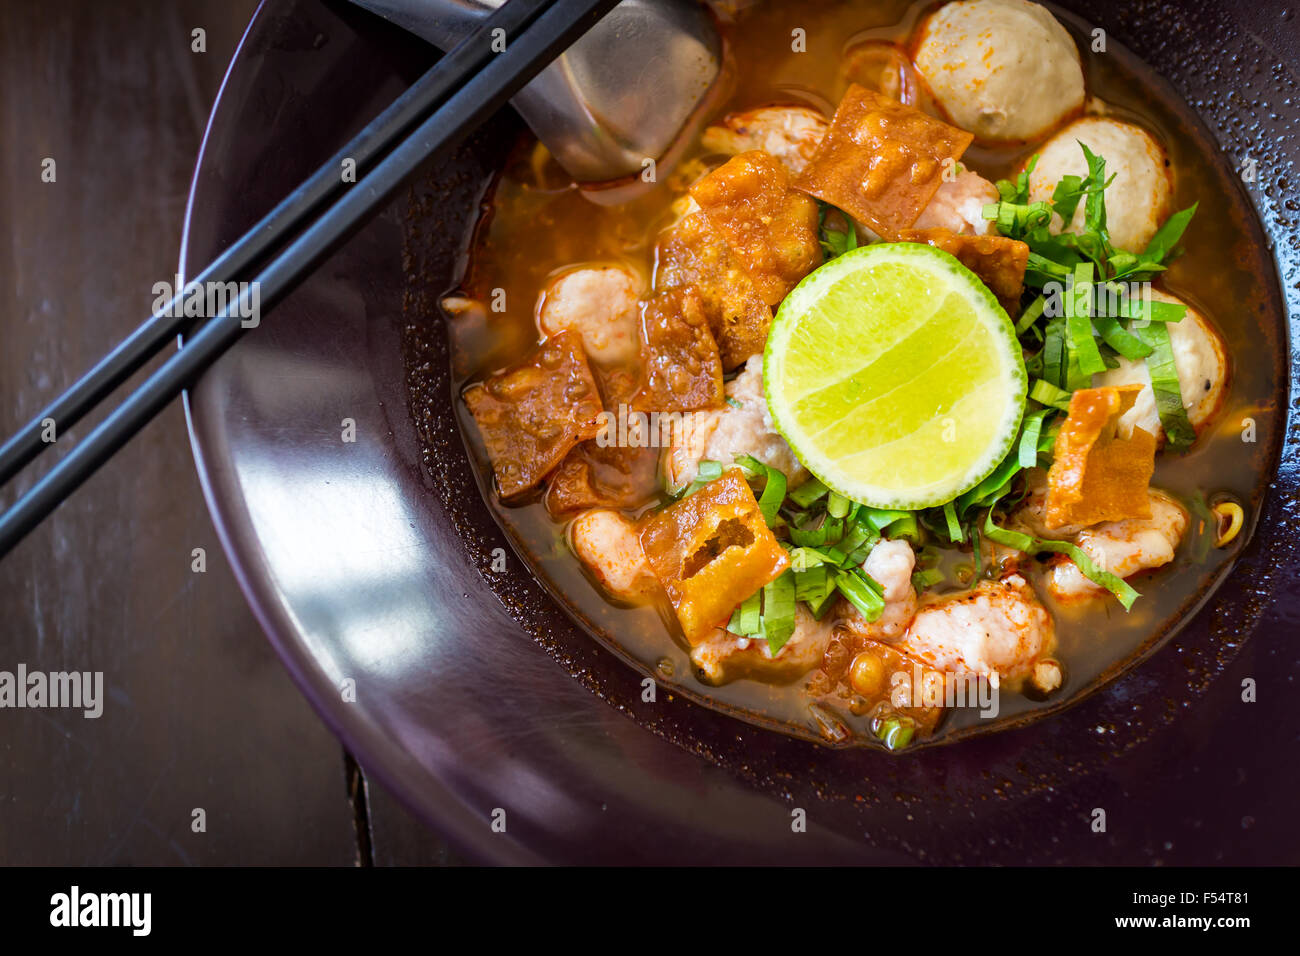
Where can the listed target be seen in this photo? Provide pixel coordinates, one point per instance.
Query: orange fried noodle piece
(882, 161)
(694, 253)
(710, 552)
(1097, 476)
(530, 415)
(683, 370)
(771, 228)
(592, 476)
(998, 261)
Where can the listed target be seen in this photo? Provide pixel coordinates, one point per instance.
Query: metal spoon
(617, 97)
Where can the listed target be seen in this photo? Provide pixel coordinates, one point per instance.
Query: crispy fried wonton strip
(1097, 476)
(882, 161)
(694, 253)
(770, 227)
(683, 371)
(998, 261)
(530, 415)
(710, 552)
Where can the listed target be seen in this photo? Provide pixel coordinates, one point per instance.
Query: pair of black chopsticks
(463, 89)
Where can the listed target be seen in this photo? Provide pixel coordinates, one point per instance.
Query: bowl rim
(377, 751)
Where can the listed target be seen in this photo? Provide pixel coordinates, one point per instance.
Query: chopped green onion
(830, 530)
(1016, 220)
(1053, 256)
(1150, 310)
(955, 532)
(881, 518)
(1027, 453)
(815, 587)
(805, 559)
(1167, 236)
(1079, 322)
(1122, 263)
(1120, 339)
(904, 528)
(745, 619)
(999, 478)
(858, 556)
(1040, 269)
(705, 472)
(926, 577)
(773, 495)
(862, 592)
(1084, 346)
(1055, 360)
(1017, 192)
(1048, 394)
(1031, 314)
(837, 506)
(895, 732)
(1093, 241)
(1075, 378)
(810, 491)
(774, 484)
(857, 535)
(834, 242)
(1047, 441)
(1165, 385)
(778, 611)
(1066, 196)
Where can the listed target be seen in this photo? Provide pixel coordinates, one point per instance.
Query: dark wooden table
(199, 713)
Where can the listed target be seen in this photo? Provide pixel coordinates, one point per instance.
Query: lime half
(895, 376)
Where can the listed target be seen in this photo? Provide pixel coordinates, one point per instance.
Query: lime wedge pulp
(895, 376)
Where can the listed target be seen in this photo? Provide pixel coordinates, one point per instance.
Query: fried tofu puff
(1004, 70)
(1141, 195)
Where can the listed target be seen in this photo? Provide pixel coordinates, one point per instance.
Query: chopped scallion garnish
(955, 532)
(1046, 393)
(1027, 452)
(774, 484)
(778, 611)
(862, 592)
(1164, 383)
(810, 491)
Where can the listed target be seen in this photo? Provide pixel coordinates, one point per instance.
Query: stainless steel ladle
(617, 97)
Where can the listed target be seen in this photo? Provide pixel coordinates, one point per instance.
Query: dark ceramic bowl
(367, 562)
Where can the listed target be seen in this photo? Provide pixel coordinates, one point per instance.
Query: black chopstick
(313, 195)
(541, 39)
